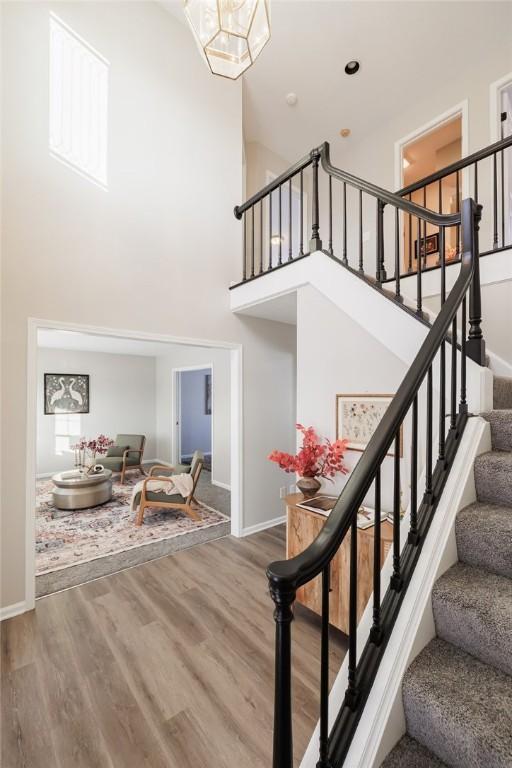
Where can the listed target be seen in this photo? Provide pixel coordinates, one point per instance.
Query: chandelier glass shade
(230, 33)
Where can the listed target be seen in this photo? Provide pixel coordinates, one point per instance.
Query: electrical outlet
(282, 492)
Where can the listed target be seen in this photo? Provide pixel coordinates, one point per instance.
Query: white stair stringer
(398, 330)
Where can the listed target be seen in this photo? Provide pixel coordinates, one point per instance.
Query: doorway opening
(99, 424)
(194, 423)
(422, 153)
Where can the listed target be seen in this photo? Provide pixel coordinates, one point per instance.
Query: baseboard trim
(263, 526)
(221, 485)
(12, 610)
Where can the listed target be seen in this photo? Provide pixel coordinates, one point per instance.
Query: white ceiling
(404, 48)
(88, 342)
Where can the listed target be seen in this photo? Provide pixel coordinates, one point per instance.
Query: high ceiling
(404, 49)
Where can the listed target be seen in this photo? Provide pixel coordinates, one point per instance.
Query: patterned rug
(66, 539)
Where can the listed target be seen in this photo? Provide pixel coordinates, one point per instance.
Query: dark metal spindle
(290, 222)
(261, 236)
(380, 243)
(419, 300)
(329, 248)
(270, 231)
(457, 177)
(413, 537)
(409, 269)
(425, 229)
(280, 259)
(476, 182)
(442, 351)
(376, 630)
(495, 201)
(351, 694)
(398, 295)
(361, 264)
(453, 404)
(428, 461)
(345, 259)
(440, 206)
(252, 241)
(463, 407)
(315, 244)
(396, 579)
(244, 247)
(301, 227)
(324, 672)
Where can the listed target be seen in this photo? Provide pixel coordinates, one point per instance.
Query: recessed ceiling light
(345, 132)
(352, 67)
(291, 99)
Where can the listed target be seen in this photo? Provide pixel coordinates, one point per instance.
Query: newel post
(475, 345)
(315, 244)
(283, 598)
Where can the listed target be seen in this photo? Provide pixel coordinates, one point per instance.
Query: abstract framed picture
(357, 418)
(208, 394)
(66, 393)
(428, 245)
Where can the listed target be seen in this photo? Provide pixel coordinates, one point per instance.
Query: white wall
(336, 356)
(220, 360)
(122, 400)
(154, 253)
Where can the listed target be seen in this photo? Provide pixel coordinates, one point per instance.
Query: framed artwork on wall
(66, 393)
(357, 418)
(208, 394)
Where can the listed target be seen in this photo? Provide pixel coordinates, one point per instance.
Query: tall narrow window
(78, 102)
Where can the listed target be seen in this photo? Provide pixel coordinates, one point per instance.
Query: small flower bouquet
(318, 457)
(87, 450)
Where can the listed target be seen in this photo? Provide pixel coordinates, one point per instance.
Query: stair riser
(501, 429)
(502, 392)
(465, 628)
(493, 482)
(487, 544)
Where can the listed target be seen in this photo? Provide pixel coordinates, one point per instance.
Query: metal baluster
(283, 732)
(442, 353)
(398, 295)
(324, 672)
(413, 537)
(463, 407)
(329, 248)
(290, 222)
(419, 300)
(396, 579)
(476, 182)
(453, 405)
(380, 243)
(428, 461)
(502, 179)
(410, 238)
(270, 231)
(376, 630)
(252, 241)
(351, 694)
(457, 177)
(244, 264)
(261, 236)
(495, 201)
(425, 229)
(440, 206)
(476, 343)
(361, 264)
(280, 259)
(345, 259)
(301, 244)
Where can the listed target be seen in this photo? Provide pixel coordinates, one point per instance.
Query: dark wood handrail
(458, 165)
(293, 573)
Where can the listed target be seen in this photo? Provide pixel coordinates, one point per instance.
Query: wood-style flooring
(166, 665)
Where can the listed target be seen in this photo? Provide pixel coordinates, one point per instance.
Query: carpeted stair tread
(459, 708)
(473, 610)
(493, 477)
(502, 392)
(484, 537)
(409, 753)
(501, 429)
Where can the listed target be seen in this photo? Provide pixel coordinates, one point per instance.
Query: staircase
(457, 694)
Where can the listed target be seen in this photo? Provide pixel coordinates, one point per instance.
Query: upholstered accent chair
(147, 498)
(126, 454)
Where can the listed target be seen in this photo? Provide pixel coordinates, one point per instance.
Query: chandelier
(230, 33)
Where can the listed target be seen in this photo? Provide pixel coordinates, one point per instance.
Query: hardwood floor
(166, 665)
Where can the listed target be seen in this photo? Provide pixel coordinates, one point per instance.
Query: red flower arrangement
(317, 457)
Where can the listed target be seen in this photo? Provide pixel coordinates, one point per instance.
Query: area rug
(74, 547)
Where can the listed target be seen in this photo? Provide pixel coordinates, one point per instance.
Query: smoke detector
(291, 99)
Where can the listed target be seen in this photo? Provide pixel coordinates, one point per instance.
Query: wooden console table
(302, 527)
